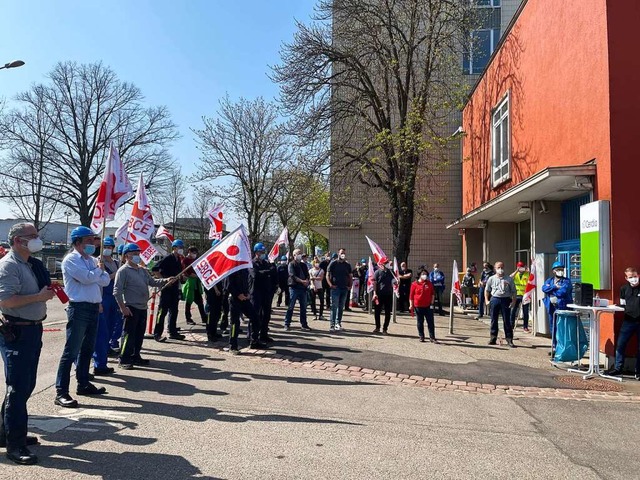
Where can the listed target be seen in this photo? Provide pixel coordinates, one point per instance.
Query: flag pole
(395, 303)
(451, 313)
(104, 230)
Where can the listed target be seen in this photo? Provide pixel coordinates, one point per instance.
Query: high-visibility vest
(521, 280)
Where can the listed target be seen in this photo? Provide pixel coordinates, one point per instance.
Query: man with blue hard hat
(131, 292)
(170, 266)
(558, 294)
(261, 290)
(84, 277)
(110, 315)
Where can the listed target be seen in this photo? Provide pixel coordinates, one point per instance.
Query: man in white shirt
(84, 276)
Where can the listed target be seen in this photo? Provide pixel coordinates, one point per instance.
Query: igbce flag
(115, 189)
(378, 254)
(396, 273)
(141, 227)
(455, 283)
(370, 279)
(531, 285)
(164, 233)
(233, 253)
(282, 239)
(215, 217)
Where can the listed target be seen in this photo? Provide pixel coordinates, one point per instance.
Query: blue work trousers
(107, 321)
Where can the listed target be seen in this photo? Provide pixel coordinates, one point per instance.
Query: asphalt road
(197, 413)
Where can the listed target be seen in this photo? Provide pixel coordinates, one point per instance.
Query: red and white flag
(140, 227)
(378, 254)
(283, 239)
(396, 273)
(531, 286)
(455, 283)
(115, 189)
(215, 217)
(370, 279)
(233, 253)
(121, 233)
(164, 233)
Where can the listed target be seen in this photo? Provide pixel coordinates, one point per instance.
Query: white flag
(282, 239)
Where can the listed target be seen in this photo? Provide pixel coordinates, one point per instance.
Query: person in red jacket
(421, 297)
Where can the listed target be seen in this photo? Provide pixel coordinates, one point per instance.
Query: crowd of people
(108, 291)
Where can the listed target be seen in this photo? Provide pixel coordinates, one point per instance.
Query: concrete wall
(546, 228)
(473, 249)
(501, 244)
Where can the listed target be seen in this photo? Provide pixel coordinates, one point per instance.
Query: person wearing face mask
(437, 279)
(421, 297)
(168, 267)
(487, 272)
(84, 277)
(383, 281)
(316, 275)
(283, 277)
(131, 292)
(298, 284)
(630, 299)
(24, 292)
(110, 314)
(520, 278)
(339, 279)
(500, 294)
(557, 295)
(261, 283)
(192, 288)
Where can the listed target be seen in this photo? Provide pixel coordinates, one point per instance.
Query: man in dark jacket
(261, 290)
(298, 285)
(283, 278)
(237, 284)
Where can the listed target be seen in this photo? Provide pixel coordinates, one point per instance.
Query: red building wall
(554, 64)
(573, 74)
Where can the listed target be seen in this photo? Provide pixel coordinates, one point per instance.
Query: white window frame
(497, 126)
(492, 46)
(492, 4)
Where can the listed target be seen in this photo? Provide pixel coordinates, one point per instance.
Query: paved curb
(360, 374)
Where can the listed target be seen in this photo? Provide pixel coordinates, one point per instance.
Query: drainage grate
(600, 385)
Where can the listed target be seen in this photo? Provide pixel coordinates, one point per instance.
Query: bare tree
(27, 133)
(171, 201)
(380, 78)
(201, 200)
(87, 107)
(245, 144)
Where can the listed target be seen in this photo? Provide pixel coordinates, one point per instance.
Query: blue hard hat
(109, 242)
(334, 256)
(130, 247)
(215, 242)
(81, 232)
(557, 265)
(177, 243)
(120, 249)
(283, 258)
(362, 260)
(259, 247)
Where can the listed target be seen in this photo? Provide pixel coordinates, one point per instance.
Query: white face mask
(560, 274)
(521, 269)
(135, 259)
(35, 245)
(423, 277)
(435, 269)
(499, 271)
(343, 256)
(181, 251)
(633, 281)
(298, 258)
(107, 252)
(193, 255)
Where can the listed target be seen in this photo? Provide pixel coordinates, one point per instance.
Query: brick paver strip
(359, 374)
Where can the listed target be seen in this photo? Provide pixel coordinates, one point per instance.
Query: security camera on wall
(543, 207)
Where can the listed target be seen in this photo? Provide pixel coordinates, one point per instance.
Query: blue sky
(185, 54)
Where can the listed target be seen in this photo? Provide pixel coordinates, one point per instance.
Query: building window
(481, 45)
(485, 3)
(501, 143)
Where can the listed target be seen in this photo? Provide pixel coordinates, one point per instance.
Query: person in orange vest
(421, 298)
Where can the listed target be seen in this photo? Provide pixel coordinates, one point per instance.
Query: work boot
(22, 456)
(493, 340)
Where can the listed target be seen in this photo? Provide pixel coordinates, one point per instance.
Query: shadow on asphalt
(67, 455)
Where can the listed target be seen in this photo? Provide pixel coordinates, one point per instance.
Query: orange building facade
(549, 127)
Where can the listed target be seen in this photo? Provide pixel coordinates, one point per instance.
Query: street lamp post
(66, 232)
(14, 64)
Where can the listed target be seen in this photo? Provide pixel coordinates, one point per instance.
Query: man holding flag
(170, 266)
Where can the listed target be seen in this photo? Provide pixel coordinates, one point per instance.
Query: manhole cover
(578, 383)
